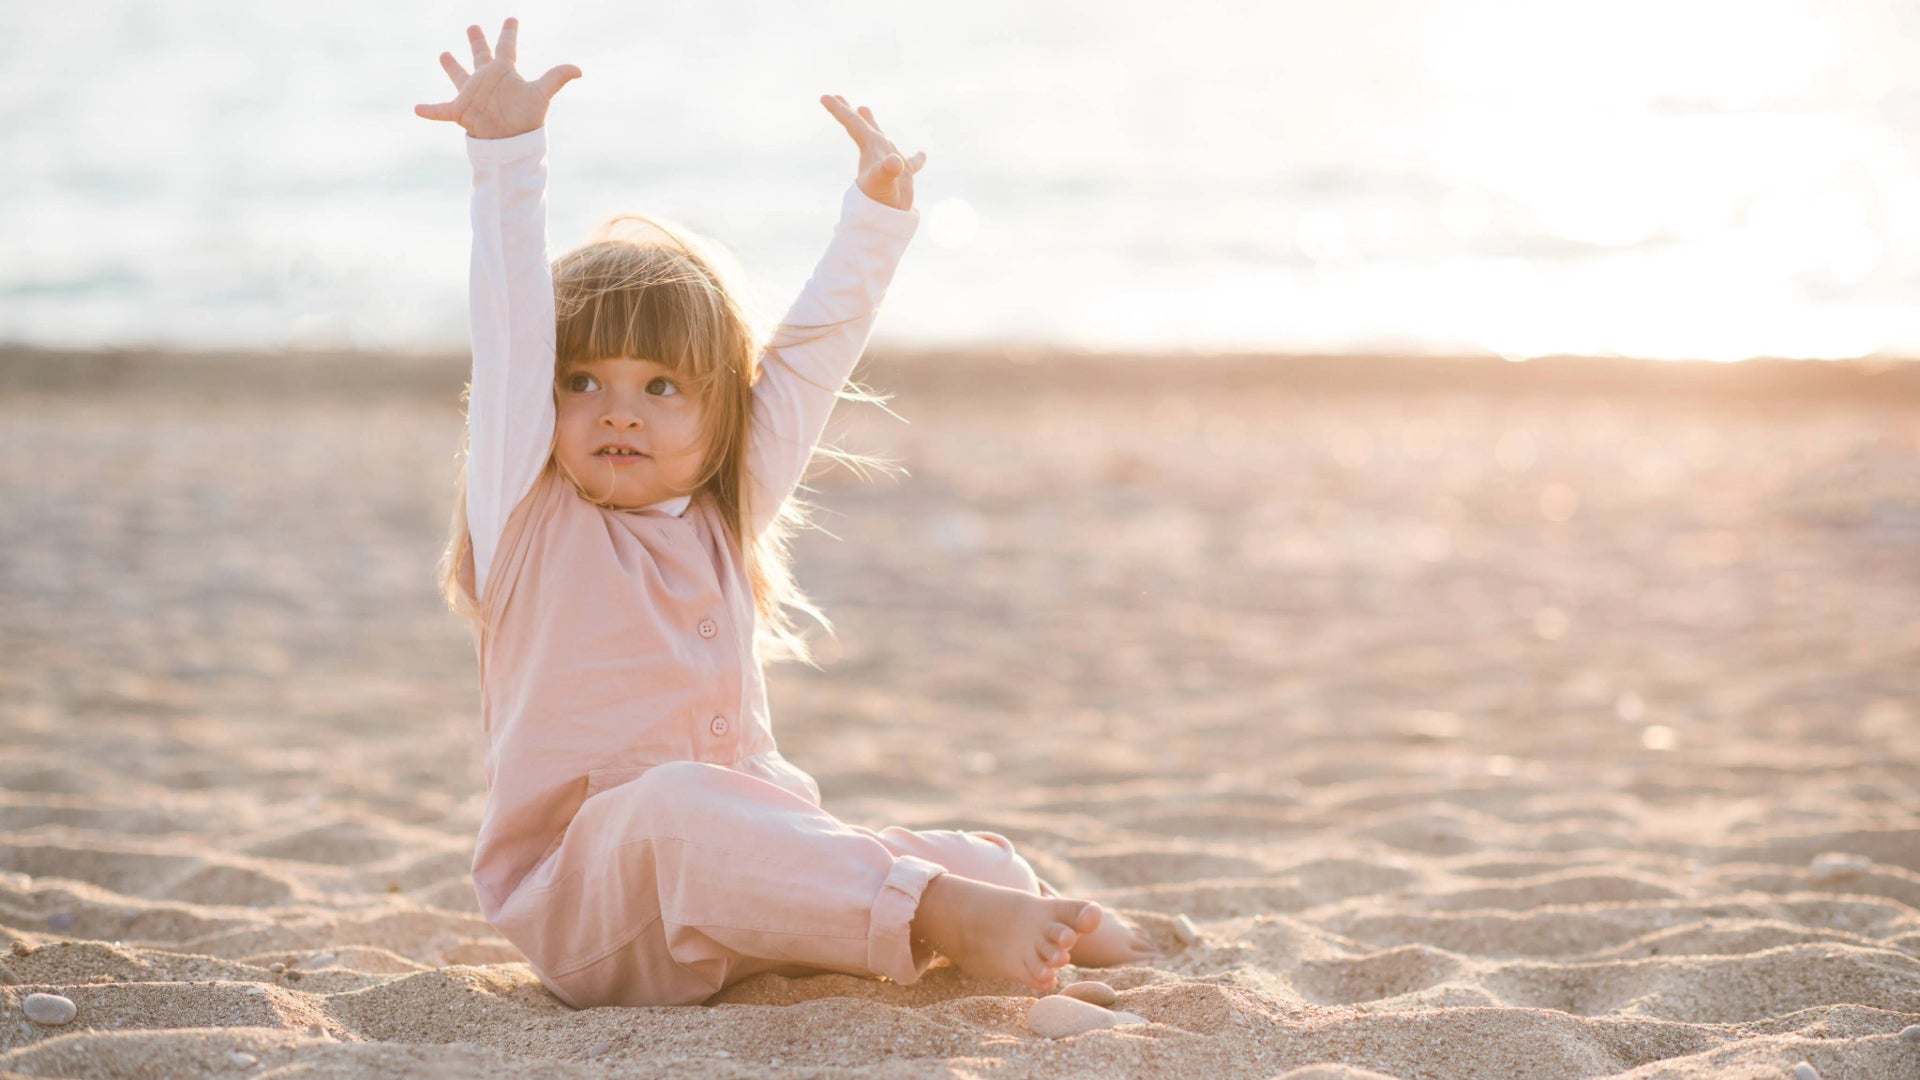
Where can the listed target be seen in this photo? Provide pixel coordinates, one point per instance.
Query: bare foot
(1115, 942)
(996, 932)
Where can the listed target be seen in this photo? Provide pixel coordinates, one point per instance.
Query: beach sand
(1486, 720)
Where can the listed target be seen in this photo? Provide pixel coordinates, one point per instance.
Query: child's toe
(1039, 975)
(1088, 918)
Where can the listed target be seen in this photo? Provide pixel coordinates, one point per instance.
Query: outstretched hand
(883, 174)
(495, 102)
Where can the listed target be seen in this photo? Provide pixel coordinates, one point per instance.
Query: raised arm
(799, 382)
(511, 317)
(510, 405)
(816, 346)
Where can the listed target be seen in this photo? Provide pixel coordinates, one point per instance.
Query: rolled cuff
(889, 935)
(862, 211)
(527, 144)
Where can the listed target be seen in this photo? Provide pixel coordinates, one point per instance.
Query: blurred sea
(1668, 179)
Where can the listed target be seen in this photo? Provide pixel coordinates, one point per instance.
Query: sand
(1485, 720)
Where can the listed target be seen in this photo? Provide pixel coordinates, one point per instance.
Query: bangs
(616, 300)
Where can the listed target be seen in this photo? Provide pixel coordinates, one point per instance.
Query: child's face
(636, 404)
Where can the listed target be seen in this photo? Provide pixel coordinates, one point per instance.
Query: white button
(719, 725)
(708, 628)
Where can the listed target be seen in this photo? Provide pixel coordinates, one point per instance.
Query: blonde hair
(665, 293)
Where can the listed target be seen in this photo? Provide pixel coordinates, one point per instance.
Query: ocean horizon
(1712, 181)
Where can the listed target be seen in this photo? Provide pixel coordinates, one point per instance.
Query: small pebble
(1911, 1034)
(723, 1053)
(318, 960)
(48, 1009)
(1120, 1018)
(1093, 993)
(59, 920)
(245, 1061)
(276, 967)
(1058, 1016)
(1804, 1071)
(598, 1049)
(1183, 929)
(1839, 864)
(294, 976)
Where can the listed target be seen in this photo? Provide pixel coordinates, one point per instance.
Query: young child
(619, 548)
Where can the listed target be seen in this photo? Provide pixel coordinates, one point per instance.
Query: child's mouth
(622, 457)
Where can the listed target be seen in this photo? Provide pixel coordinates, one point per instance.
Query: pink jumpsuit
(644, 843)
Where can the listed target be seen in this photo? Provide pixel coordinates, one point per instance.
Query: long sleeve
(511, 311)
(799, 382)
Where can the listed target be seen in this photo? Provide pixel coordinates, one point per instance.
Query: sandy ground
(1487, 723)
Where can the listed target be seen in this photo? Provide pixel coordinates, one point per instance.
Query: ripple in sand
(1372, 978)
(218, 883)
(1714, 990)
(123, 868)
(340, 843)
(1430, 834)
(1136, 864)
(1567, 887)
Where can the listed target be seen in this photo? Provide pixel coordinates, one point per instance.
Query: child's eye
(663, 381)
(580, 382)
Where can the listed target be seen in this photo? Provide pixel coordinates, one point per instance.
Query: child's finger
(847, 119)
(454, 71)
(843, 112)
(550, 83)
(481, 54)
(442, 111)
(507, 47)
(835, 105)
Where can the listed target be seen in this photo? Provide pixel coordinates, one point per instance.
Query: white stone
(1805, 1071)
(1184, 930)
(317, 960)
(1092, 992)
(244, 1060)
(48, 1008)
(1057, 1016)
(1839, 864)
(1121, 1018)
(1911, 1034)
(598, 1049)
